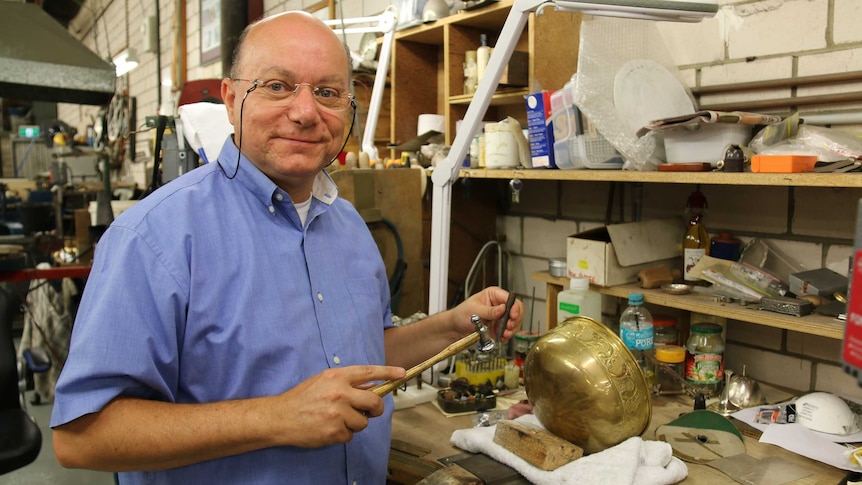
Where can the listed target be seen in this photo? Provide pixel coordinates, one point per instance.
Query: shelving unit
(428, 74)
(701, 303)
(427, 77)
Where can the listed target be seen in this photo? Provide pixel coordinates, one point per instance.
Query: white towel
(205, 127)
(632, 462)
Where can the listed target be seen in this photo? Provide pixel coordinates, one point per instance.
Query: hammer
(480, 337)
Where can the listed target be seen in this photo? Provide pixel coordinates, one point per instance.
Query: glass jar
(665, 331)
(704, 361)
(674, 357)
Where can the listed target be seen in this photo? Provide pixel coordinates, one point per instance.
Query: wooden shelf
(500, 98)
(701, 303)
(707, 178)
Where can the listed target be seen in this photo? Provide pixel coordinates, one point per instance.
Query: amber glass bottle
(695, 243)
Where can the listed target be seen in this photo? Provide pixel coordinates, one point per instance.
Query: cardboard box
(821, 281)
(612, 255)
(541, 132)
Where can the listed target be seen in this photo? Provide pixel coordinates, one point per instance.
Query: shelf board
(707, 178)
(500, 98)
(490, 18)
(695, 302)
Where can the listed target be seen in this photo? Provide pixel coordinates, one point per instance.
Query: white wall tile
(793, 25)
(770, 367)
(544, 238)
(845, 27)
(754, 335)
(813, 346)
(830, 378)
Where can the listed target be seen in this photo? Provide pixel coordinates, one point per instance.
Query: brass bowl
(586, 386)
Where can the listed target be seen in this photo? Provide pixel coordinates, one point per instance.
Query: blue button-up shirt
(210, 289)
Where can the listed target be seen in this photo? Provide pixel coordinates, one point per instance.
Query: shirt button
(320, 297)
(336, 360)
(279, 197)
(271, 210)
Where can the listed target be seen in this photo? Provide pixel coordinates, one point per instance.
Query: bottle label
(571, 308)
(690, 258)
(704, 368)
(637, 339)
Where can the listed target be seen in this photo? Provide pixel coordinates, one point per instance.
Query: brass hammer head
(486, 343)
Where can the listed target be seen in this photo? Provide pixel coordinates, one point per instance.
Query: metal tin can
(557, 267)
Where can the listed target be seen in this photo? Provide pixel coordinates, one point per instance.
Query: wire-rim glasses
(278, 91)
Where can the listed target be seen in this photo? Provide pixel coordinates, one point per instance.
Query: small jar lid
(706, 328)
(672, 354)
(663, 321)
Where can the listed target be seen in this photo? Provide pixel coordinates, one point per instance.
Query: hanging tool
(480, 337)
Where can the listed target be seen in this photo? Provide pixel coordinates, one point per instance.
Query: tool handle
(386, 387)
(501, 326)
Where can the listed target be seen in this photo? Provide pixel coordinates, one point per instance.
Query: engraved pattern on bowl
(585, 385)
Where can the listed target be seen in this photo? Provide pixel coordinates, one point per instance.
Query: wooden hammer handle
(385, 388)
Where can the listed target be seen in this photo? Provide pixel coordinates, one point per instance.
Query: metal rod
(787, 102)
(836, 78)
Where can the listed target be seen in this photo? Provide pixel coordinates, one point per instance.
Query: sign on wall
(210, 31)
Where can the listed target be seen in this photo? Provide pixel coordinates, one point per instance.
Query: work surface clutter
(634, 461)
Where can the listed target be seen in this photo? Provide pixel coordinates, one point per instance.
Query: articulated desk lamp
(384, 23)
(446, 173)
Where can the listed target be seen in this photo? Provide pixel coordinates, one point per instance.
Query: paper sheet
(823, 447)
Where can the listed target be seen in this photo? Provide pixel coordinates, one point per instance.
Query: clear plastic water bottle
(636, 332)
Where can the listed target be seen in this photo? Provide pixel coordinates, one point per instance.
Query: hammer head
(486, 343)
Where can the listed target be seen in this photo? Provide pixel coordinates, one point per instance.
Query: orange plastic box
(783, 163)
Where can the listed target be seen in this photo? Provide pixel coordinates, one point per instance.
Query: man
(235, 318)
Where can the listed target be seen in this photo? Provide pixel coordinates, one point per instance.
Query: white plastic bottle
(579, 300)
(483, 54)
(636, 332)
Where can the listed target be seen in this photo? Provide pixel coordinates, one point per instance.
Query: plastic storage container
(576, 145)
(703, 142)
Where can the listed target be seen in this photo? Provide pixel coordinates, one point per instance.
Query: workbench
(421, 437)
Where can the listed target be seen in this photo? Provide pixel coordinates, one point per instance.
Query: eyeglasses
(278, 91)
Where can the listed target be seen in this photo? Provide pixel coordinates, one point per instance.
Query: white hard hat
(827, 413)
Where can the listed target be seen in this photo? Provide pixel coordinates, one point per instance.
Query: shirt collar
(247, 173)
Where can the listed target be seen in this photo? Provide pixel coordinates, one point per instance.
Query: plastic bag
(792, 137)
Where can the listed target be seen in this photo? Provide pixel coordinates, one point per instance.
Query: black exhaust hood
(41, 61)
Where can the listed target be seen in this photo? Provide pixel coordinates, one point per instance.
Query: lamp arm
(446, 172)
(385, 23)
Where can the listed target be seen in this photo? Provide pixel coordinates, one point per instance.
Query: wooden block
(536, 446)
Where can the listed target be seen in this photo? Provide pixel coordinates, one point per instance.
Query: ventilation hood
(41, 61)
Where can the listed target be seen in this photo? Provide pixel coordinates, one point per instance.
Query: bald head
(284, 23)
